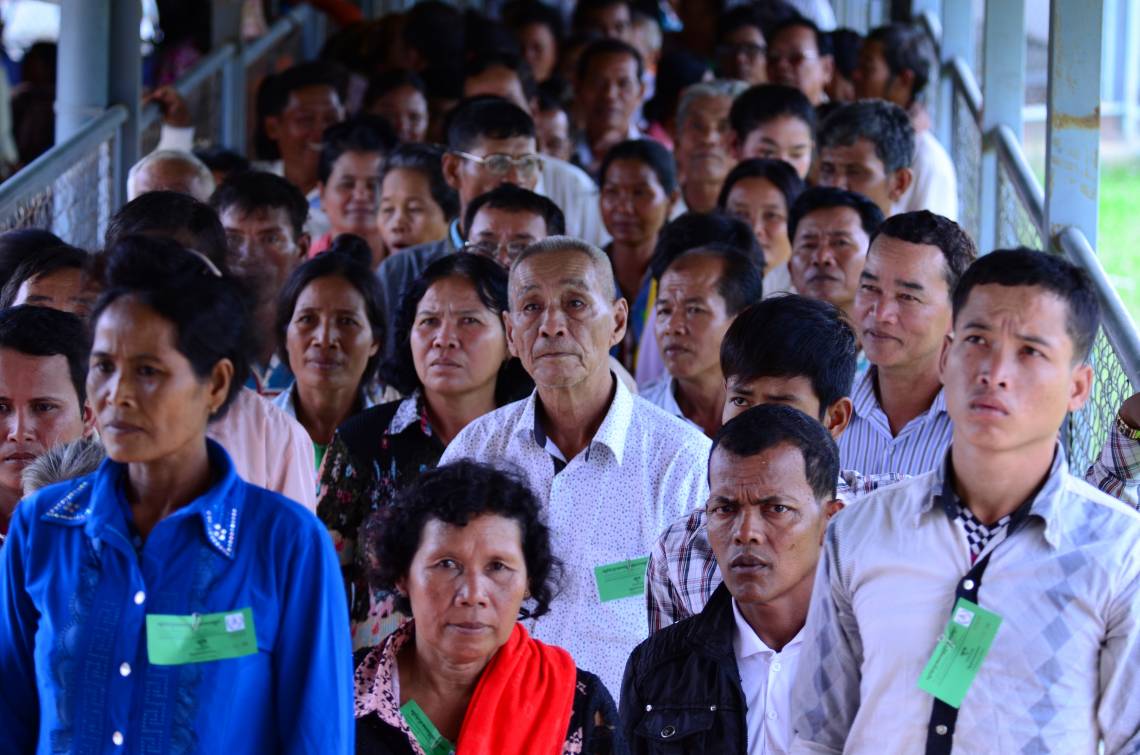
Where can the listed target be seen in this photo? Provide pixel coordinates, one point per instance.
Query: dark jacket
(681, 692)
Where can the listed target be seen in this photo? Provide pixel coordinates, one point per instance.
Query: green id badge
(621, 579)
(960, 652)
(424, 730)
(172, 640)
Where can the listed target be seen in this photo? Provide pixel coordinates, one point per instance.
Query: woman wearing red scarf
(465, 548)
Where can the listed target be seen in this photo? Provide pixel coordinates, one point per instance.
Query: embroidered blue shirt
(75, 592)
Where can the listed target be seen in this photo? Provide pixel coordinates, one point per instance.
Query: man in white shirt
(994, 604)
(611, 469)
(894, 65)
(902, 312)
(721, 681)
(701, 293)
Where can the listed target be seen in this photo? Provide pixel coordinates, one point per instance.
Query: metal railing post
(226, 27)
(1003, 74)
(957, 41)
(1072, 145)
(126, 89)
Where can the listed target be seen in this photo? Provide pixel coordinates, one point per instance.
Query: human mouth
(470, 627)
(747, 563)
(20, 458)
(988, 407)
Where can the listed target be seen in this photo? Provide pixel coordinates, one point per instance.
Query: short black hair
(210, 312)
(822, 42)
(44, 332)
(766, 426)
(274, 90)
(222, 159)
(443, 81)
(739, 17)
(361, 133)
(1022, 266)
(518, 14)
(260, 190)
(925, 227)
(741, 282)
(20, 244)
(46, 262)
(517, 199)
(884, 124)
(489, 280)
(426, 159)
(607, 46)
(580, 20)
(455, 494)
(906, 48)
(505, 59)
(696, 229)
(171, 214)
(676, 70)
(648, 152)
(389, 81)
(845, 44)
(485, 117)
(776, 172)
(764, 103)
(436, 31)
(823, 197)
(792, 336)
(349, 258)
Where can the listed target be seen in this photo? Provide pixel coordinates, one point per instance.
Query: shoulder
(269, 422)
(69, 500)
(566, 176)
(667, 433)
(265, 511)
(493, 429)
(1088, 507)
(366, 427)
(883, 510)
(665, 648)
(412, 260)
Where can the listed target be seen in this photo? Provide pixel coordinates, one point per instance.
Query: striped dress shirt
(867, 443)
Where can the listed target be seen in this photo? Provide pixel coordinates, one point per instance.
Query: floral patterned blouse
(381, 728)
(372, 456)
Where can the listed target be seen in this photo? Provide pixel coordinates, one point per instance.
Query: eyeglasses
(500, 165)
(491, 249)
(747, 49)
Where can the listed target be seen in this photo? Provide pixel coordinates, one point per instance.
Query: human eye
(869, 288)
(778, 509)
(102, 365)
(347, 320)
(1032, 351)
(723, 509)
(446, 563)
(974, 340)
(5, 407)
(43, 407)
(740, 402)
(146, 371)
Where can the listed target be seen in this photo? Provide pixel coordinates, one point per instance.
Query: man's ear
(304, 241)
(88, 416)
(621, 319)
(451, 164)
(735, 144)
(827, 63)
(830, 509)
(508, 328)
(838, 416)
(273, 127)
(1080, 387)
(900, 182)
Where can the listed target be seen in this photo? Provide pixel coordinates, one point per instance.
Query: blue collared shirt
(75, 589)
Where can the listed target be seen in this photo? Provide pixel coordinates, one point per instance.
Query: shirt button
(140, 596)
(941, 729)
(648, 708)
(125, 669)
(117, 738)
(968, 584)
(776, 666)
(772, 715)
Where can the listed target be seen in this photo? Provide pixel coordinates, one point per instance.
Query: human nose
(324, 334)
(472, 588)
(675, 321)
(748, 526)
(995, 365)
(445, 335)
(553, 322)
(19, 425)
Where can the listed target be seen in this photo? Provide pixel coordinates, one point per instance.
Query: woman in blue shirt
(161, 604)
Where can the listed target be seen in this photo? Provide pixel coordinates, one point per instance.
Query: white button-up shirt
(1061, 673)
(641, 471)
(766, 677)
(662, 393)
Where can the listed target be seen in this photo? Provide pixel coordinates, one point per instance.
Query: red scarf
(523, 701)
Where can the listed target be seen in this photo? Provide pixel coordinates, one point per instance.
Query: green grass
(1119, 231)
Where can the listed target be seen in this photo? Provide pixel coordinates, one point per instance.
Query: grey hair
(598, 259)
(204, 178)
(730, 88)
(63, 462)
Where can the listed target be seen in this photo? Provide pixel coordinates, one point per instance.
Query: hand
(1130, 411)
(174, 110)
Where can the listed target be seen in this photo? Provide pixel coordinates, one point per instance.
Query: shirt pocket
(675, 730)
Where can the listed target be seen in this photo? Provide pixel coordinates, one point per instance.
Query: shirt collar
(407, 413)
(864, 402)
(611, 433)
(745, 641)
(455, 236)
(1045, 503)
(94, 502)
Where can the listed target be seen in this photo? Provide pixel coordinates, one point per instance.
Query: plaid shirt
(682, 571)
(1117, 471)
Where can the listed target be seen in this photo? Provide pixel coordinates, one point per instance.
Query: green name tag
(424, 730)
(172, 640)
(622, 579)
(960, 652)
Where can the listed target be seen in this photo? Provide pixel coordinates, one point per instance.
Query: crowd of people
(609, 378)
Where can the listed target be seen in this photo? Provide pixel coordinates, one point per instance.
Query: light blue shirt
(78, 585)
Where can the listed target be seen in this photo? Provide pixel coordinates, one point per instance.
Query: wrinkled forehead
(831, 220)
(560, 270)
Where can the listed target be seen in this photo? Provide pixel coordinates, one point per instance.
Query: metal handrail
(1012, 158)
(968, 85)
(45, 169)
(933, 27)
(210, 65)
(282, 28)
(1118, 325)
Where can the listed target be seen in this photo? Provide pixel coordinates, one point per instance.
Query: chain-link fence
(71, 189)
(1016, 225)
(967, 154)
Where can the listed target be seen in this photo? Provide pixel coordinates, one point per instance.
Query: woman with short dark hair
(452, 363)
(162, 603)
(465, 549)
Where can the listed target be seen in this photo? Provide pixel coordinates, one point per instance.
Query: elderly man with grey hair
(704, 141)
(612, 469)
(170, 170)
